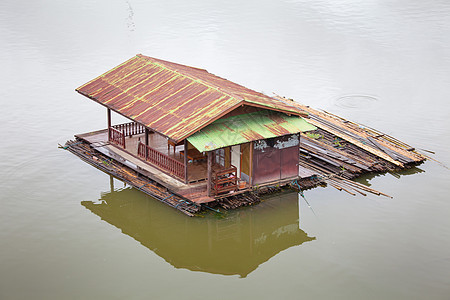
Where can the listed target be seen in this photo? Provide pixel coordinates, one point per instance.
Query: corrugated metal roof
(172, 99)
(245, 128)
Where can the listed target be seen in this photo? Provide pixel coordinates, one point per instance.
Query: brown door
(266, 166)
(289, 162)
(275, 159)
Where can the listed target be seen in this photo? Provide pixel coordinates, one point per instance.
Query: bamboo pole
(356, 143)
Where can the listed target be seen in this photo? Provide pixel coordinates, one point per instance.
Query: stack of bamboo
(340, 150)
(234, 202)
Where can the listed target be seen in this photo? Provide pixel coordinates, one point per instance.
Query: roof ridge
(196, 79)
(160, 62)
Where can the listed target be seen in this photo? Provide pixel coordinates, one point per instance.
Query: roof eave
(206, 124)
(123, 115)
(243, 102)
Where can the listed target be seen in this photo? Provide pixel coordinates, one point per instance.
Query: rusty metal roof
(172, 99)
(245, 128)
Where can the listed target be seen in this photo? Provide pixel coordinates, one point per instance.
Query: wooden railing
(225, 180)
(161, 160)
(117, 137)
(130, 129)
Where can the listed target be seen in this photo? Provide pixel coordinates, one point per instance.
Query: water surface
(67, 235)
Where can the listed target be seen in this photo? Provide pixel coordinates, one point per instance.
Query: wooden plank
(361, 131)
(338, 154)
(356, 143)
(304, 172)
(208, 184)
(390, 152)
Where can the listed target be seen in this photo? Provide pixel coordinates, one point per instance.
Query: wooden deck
(194, 191)
(197, 169)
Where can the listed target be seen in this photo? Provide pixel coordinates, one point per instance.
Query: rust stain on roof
(251, 135)
(277, 118)
(172, 99)
(277, 129)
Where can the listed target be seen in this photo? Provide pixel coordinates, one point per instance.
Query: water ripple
(356, 101)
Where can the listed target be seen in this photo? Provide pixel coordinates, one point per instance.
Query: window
(219, 155)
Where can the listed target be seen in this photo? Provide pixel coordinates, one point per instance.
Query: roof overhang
(245, 128)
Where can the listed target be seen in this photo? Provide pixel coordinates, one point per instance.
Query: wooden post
(185, 161)
(146, 142)
(208, 187)
(251, 164)
(298, 151)
(123, 139)
(108, 116)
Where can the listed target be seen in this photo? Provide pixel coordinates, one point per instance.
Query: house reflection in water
(236, 244)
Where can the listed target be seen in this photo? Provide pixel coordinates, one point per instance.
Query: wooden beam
(146, 141)
(108, 117)
(208, 186)
(185, 161)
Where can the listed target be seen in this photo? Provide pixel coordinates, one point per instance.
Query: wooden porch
(161, 160)
(161, 153)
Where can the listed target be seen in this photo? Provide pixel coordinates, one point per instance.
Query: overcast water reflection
(229, 243)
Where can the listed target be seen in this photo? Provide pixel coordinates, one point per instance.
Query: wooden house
(199, 135)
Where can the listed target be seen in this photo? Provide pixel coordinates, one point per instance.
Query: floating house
(197, 134)
(195, 138)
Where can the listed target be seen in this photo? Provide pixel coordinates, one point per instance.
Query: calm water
(66, 233)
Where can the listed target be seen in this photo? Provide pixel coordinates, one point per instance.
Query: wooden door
(275, 159)
(236, 158)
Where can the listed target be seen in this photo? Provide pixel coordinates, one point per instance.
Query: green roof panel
(244, 128)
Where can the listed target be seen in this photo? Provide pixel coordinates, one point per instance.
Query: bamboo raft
(84, 151)
(340, 150)
(334, 154)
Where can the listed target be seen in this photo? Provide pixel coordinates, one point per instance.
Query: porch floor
(197, 170)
